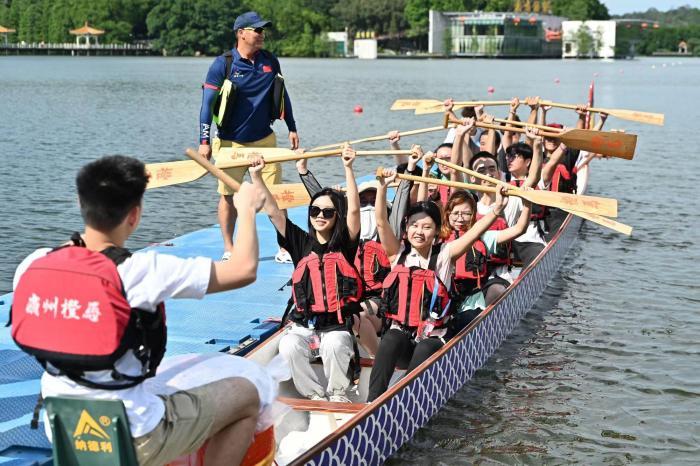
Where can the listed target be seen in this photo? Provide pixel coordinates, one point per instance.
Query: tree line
(186, 27)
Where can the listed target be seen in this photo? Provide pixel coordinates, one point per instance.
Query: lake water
(603, 370)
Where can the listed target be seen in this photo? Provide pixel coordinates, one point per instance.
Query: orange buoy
(358, 109)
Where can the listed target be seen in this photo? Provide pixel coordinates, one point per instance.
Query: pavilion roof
(4, 30)
(86, 30)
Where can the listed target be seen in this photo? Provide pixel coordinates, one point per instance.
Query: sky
(619, 7)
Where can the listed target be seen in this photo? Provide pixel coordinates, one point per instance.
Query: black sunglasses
(328, 212)
(257, 30)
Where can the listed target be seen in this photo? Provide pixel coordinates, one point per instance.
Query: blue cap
(251, 19)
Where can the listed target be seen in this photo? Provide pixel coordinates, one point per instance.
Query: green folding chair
(89, 432)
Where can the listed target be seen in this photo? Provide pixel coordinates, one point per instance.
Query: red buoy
(358, 109)
(556, 80)
(491, 89)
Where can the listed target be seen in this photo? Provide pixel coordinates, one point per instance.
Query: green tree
(580, 9)
(585, 41)
(183, 27)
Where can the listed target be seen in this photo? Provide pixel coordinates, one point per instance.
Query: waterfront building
(494, 34)
(618, 38)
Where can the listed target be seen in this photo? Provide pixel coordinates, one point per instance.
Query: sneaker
(226, 257)
(316, 397)
(339, 399)
(283, 257)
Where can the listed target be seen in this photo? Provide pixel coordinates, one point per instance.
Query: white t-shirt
(149, 279)
(532, 234)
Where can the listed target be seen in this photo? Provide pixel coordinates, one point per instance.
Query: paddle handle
(573, 107)
(452, 184)
(486, 103)
(480, 124)
(211, 168)
(312, 155)
(384, 136)
(466, 171)
(525, 123)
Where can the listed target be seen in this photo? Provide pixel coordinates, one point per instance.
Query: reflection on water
(604, 367)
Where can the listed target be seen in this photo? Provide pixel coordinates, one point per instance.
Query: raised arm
(277, 217)
(582, 110)
(462, 244)
(241, 269)
(551, 165)
(520, 226)
(461, 150)
(491, 138)
(387, 237)
(512, 113)
(533, 175)
(403, 198)
(427, 166)
(394, 137)
(601, 121)
(353, 196)
(307, 178)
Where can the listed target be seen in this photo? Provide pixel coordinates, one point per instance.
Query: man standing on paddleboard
(244, 93)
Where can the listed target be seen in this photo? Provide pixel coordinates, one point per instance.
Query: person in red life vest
(417, 296)
(326, 288)
(85, 310)
(559, 168)
(524, 164)
(477, 283)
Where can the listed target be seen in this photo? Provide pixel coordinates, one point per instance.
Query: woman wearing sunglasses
(416, 300)
(326, 288)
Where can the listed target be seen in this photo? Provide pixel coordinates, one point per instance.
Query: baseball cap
(250, 19)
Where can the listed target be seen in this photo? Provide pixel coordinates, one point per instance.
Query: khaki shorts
(271, 174)
(189, 415)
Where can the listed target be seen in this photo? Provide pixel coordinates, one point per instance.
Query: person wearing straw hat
(244, 93)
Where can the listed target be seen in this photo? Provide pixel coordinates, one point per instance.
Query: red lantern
(532, 20)
(656, 25)
(516, 20)
(644, 25)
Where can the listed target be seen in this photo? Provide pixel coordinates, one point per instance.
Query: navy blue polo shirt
(252, 117)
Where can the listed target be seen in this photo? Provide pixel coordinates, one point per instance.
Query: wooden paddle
(414, 104)
(580, 203)
(631, 115)
(185, 171)
(383, 136)
(436, 106)
(211, 168)
(599, 219)
(621, 145)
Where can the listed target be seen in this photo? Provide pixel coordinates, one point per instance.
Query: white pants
(336, 351)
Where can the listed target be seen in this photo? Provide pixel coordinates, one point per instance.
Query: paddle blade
(431, 107)
(170, 173)
(620, 145)
(604, 221)
(640, 117)
(290, 195)
(411, 104)
(565, 201)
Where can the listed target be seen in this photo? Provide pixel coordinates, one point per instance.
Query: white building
(599, 34)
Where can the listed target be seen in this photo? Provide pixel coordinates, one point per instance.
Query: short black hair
(482, 155)
(520, 148)
(449, 145)
(108, 188)
(468, 112)
(430, 208)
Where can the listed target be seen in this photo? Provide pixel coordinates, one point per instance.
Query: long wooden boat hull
(380, 428)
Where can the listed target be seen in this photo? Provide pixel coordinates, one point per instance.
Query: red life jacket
(445, 192)
(413, 295)
(471, 269)
(563, 180)
(373, 264)
(503, 250)
(70, 310)
(537, 212)
(325, 285)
